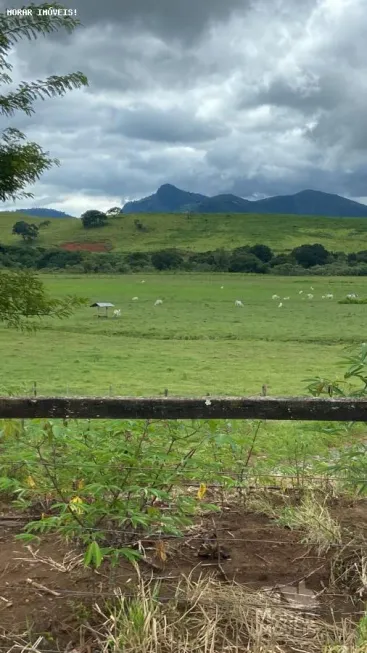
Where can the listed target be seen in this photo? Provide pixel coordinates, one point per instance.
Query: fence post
(35, 388)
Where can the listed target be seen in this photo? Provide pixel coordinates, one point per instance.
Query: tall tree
(28, 231)
(22, 162)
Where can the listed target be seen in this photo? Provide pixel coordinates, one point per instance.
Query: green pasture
(196, 342)
(199, 232)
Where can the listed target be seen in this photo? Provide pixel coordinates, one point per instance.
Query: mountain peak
(168, 190)
(310, 191)
(170, 199)
(167, 187)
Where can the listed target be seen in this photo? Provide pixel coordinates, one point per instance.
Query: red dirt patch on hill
(87, 247)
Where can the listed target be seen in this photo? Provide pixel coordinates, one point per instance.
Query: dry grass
(206, 616)
(70, 562)
(349, 568)
(311, 516)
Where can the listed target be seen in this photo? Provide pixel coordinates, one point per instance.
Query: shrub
(140, 226)
(221, 260)
(310, 255)
(281, 259)
(288, 270)
(138, 260)
(246, 263)
(167, 259)
(93, 219)
(59, 259)
(263, 252)
(352, 300)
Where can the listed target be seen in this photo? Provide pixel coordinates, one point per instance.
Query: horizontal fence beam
(269, 408)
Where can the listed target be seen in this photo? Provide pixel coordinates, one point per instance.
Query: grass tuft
(311, 516)
(206, 616)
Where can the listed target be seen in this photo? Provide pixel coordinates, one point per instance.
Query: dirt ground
(248, 548)
(86, 247)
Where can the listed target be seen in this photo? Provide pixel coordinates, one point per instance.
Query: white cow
(134, 299)
(352, 295)
(285, 298)
(275, 297)
(238, 303)
(143, 281)
(300, 292)
(309, 296)
(329, 296)
(116, 312)
(157, 302)
(280, 305)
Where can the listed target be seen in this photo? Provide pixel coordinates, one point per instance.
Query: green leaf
(93, 555)
(27, 537)
(130, 554)
(213, 425)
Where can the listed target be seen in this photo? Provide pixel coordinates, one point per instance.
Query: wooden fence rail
(269, 408)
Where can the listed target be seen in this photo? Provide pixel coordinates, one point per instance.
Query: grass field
(283, 497)
(196, 342)
(199, 232)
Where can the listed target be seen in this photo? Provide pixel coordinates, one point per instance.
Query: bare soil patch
(54, 593)
(87, 247)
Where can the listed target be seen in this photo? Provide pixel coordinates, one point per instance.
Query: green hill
(197, 232)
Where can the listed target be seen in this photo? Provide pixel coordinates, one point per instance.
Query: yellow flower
(201, 491)
(76, 505)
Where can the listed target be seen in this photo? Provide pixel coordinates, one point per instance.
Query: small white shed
(100, 305)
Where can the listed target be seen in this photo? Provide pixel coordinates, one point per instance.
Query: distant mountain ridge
(169, 199)
(42, 213)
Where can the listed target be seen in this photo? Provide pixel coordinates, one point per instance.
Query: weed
(313, 517)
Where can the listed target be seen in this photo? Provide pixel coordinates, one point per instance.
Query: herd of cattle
(117, 312)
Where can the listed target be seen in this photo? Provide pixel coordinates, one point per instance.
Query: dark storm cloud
(174, 125)
(264, 97)
(170, 19)
(309, 94)
(340, 182)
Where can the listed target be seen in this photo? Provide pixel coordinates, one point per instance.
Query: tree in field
(115, 210)
(29, 232)
(93, 218)
(23, 162)
(310, 255)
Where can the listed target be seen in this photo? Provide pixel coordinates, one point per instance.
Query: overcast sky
(253, 97)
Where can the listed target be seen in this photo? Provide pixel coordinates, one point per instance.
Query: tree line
(312, 259)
